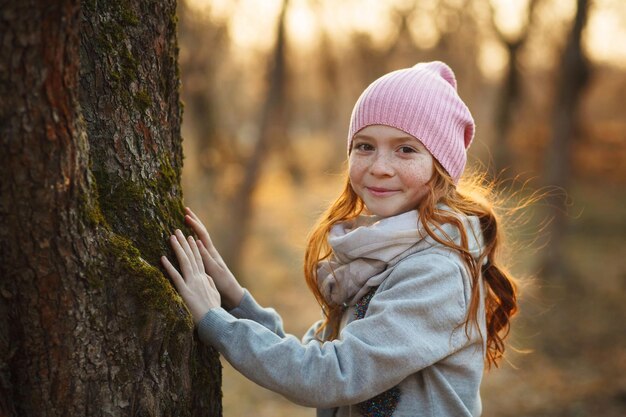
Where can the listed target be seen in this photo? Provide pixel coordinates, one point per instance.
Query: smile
(381, 192)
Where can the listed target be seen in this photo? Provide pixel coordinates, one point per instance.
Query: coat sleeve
(250, 309)
(414, 320)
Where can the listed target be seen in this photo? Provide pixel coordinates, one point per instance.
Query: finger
(197, 227)
(181, 256)
(179, 282)
(192, 214)
(185, 245)
(196, 224)
(210, 264)
(196, 253)
(208, 245)
(211, 282)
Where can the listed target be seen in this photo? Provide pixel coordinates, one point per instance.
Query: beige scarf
(363, 249)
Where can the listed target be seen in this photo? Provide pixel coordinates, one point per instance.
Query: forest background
(268, 88)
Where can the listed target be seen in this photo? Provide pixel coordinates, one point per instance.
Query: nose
(381, 165)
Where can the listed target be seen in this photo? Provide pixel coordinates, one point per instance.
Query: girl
(404, 264)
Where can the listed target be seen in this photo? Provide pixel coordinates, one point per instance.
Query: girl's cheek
(357, 165)
(418, 175)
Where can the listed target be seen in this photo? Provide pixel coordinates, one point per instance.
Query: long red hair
(470, 198)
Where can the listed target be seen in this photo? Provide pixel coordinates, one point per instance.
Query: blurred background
(268, 87)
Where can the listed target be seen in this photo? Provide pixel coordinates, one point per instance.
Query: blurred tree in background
(572, 77)
(509, 96)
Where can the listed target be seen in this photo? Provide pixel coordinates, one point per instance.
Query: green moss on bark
(136, 213)
(143, 101)
(153, 291)
(112, 39)
(91, 212)
(145, 212)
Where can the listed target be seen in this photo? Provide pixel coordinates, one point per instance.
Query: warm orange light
(252, 24)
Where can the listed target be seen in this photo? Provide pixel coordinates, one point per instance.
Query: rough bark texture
(90, 164)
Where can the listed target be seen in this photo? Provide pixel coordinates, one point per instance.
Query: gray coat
(412, 336)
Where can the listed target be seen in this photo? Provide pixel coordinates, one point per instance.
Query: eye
(362, 146)
(407, 149)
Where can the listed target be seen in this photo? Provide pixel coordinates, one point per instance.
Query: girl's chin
(383, 212)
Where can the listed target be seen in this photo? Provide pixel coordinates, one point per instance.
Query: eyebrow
(395, 138)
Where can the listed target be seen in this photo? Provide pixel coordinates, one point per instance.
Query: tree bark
(91, 162)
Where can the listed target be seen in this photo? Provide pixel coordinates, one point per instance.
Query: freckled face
(389, 170)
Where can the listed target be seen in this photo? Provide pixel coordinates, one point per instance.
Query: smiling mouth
(380, 192)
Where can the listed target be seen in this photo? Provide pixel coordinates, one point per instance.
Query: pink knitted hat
(423, 102)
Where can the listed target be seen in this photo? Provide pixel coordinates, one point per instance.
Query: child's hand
(194, 286)
(226, 283)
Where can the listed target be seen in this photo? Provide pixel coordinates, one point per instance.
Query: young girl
(404, 264)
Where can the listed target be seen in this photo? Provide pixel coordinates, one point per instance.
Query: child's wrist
(234, 297)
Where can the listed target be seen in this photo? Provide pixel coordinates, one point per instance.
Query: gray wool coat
(412, 337)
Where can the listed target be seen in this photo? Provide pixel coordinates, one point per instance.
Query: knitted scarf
(363, 248)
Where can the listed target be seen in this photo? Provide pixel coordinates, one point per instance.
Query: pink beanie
(423, 102)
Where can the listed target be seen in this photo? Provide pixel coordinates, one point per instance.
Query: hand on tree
(194, 285)
(226, 283)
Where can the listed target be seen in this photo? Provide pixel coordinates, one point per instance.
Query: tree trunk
(573, 75)
(91, 162)
(509, 98)
(270, 124)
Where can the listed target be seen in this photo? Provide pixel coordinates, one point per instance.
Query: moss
(147, 283)
(166, 184)
(168, 177)
(127, 15)
(129, 64)
(133, 216)
(115, 76)
(143, 101)
(110, 36)
(176, 64)
(122, 204)
(90, 215)
(112, 20)
(116, 195)
(91, 212)
(146, 211)
(119, 206)
(174, 20)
